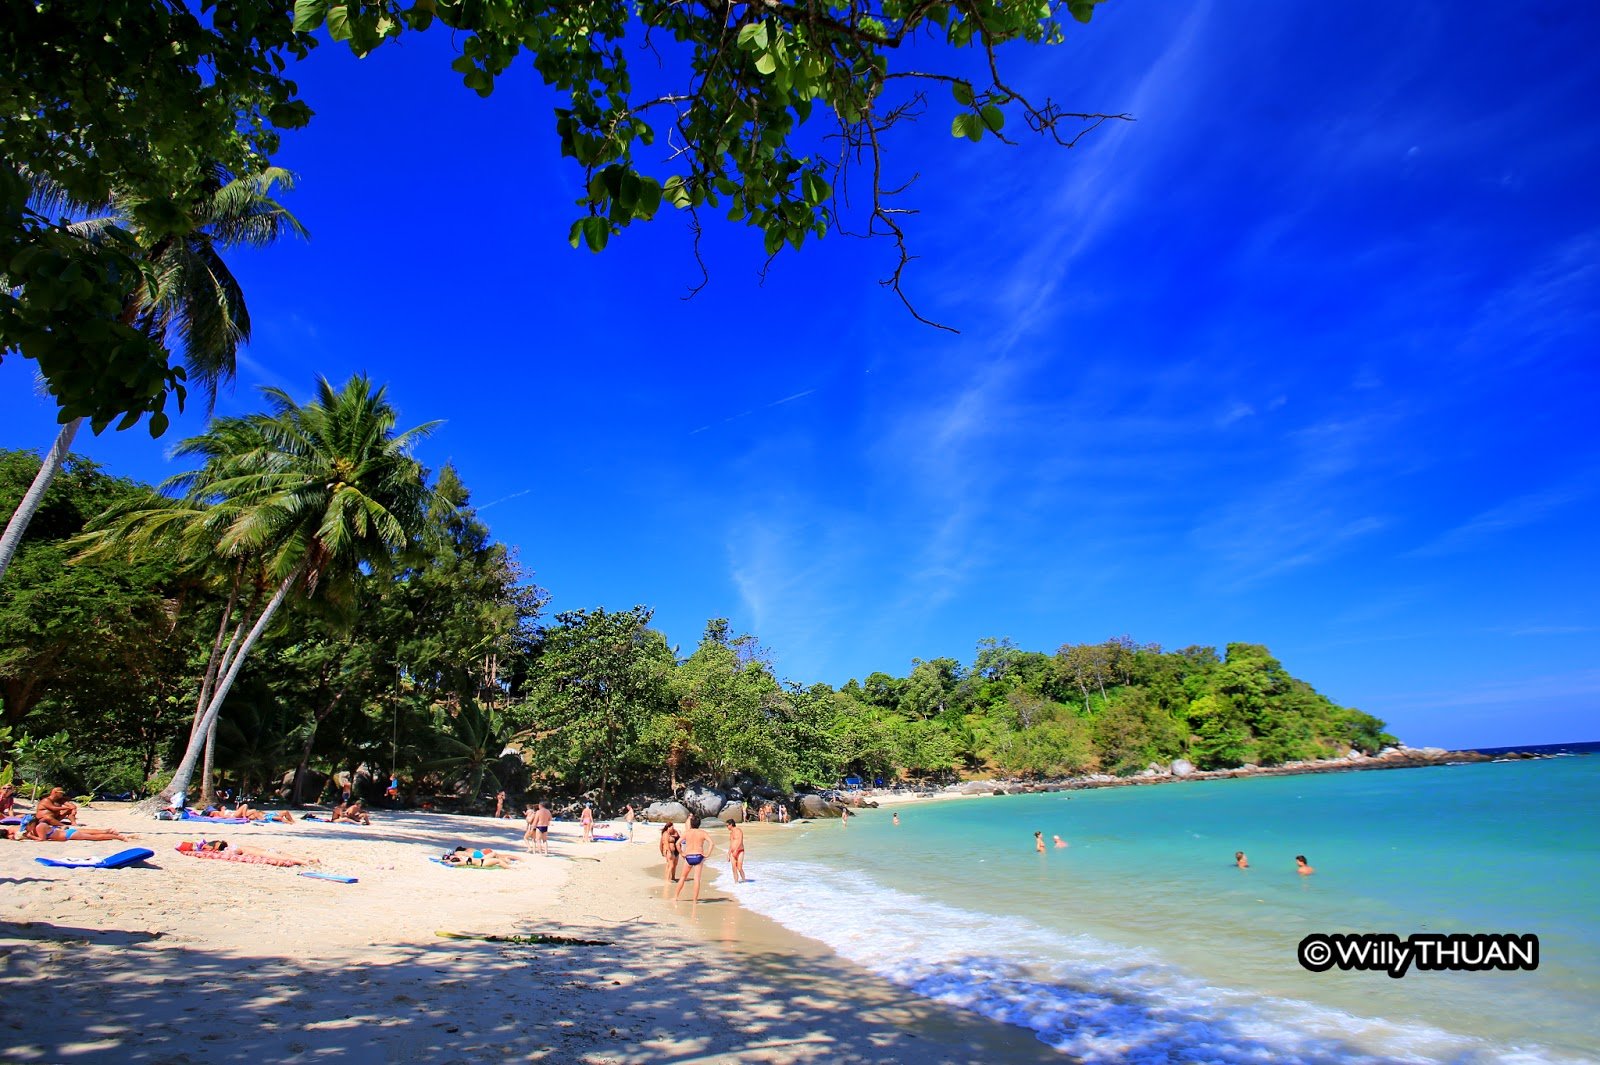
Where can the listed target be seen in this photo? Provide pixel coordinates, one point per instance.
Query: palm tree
(187, 299)
(301, 501)
(471, 749)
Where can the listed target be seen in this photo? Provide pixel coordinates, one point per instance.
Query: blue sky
(1305, 356)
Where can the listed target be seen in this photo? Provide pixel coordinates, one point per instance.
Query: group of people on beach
(692, 847)
(55, 820)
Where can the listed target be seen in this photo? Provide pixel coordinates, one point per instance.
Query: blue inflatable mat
(131, 856)
(336, 878)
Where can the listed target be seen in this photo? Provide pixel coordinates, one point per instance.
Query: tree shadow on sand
(118, 997)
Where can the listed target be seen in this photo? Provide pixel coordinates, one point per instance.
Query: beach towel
(335, 877)
(119, 860)
(610, 839)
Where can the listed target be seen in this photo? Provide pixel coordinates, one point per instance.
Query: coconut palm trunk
(54, 459)
(197, 738)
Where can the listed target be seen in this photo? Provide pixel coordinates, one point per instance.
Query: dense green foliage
(417, 647)
(148, 99)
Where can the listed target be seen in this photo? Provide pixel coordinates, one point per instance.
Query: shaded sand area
(185, 960)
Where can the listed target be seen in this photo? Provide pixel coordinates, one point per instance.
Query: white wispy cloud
(1518, 512)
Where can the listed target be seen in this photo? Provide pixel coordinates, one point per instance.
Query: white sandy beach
(184, 960)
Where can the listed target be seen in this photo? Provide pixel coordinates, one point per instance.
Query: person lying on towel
(222, 850)
(41, 831)
(487, 857)
(243, 810)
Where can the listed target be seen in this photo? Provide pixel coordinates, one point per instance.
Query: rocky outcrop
(1181, 767)
(707, 802)
(733, 811)
(675, 812)
(816, 806)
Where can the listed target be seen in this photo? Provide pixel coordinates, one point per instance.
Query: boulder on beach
(675, 812)
(707, 802)
(817, 806)
(1181, 767)
(977, 787)
(733, 811)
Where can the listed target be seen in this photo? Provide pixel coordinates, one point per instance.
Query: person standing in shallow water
(695, 845)
(1038, 842)
(736, 851)
(669, 850)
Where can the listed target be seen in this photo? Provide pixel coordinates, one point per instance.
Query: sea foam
(1088, 998)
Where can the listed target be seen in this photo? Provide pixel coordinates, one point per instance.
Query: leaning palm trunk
(197, 738)
(53, 461)
(207, 787)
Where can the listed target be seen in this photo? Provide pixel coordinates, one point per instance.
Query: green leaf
(766, 64)
(774, 239)
(963, 93)
(158, 424)
(1082, 10)
(339, 22)
(993, 117)
(308, 14)
(575, 234)
(816, 190)
(649, 198)
(754, 37)
(677, 193)
(969, 126)
(596, 231)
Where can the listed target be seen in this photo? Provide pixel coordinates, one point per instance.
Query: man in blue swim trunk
(695, 845)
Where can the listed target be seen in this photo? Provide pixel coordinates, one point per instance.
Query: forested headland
(404, 639)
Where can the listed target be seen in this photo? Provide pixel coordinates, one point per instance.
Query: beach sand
(185, 960)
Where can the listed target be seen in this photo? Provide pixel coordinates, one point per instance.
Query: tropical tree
(298, 501)
(601, 677)
(756, 109)
(185, 299)
(470, 745)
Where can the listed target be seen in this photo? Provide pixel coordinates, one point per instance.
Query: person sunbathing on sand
(223, 847)
(45, 832)
(355, 814)
(487, 858)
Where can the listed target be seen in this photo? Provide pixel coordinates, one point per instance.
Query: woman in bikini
(736, 851)
(669, 850)
(44, 832)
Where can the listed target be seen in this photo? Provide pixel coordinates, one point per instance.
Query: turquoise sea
(1141, 941)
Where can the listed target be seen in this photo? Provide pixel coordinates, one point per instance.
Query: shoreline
(1403, 758)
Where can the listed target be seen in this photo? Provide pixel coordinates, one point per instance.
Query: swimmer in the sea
(1240, 860)
(1059, 842)
(1038, 842)
(1301, 867)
